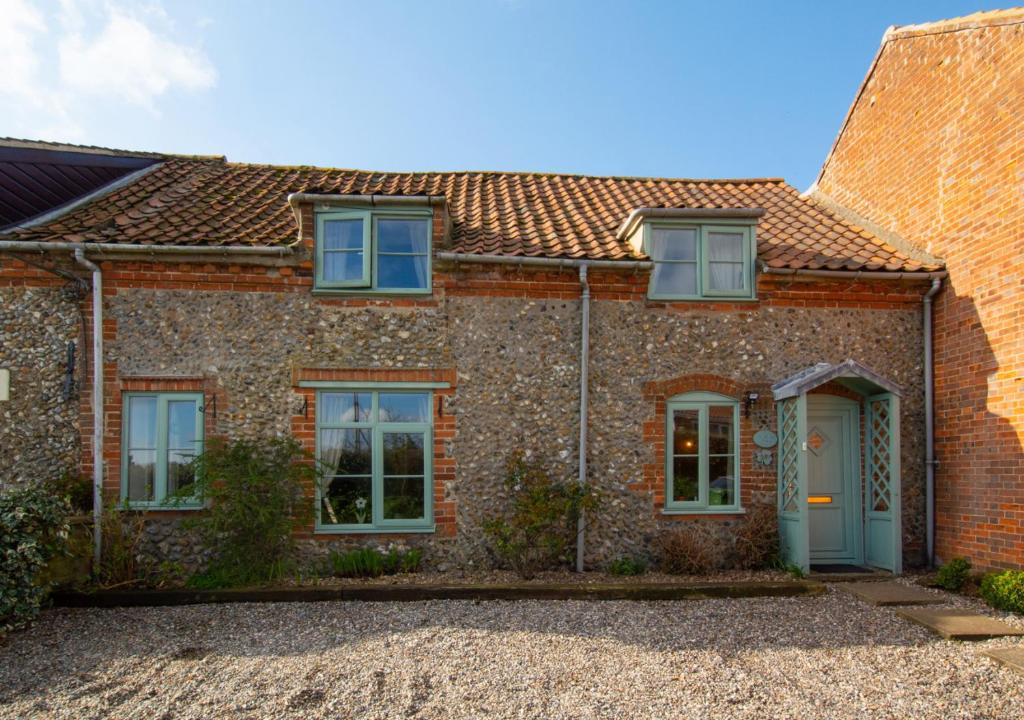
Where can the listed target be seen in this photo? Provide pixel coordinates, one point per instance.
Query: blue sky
(675, 89)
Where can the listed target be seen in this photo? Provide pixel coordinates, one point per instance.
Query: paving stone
(890, 593)
(956, 624)
(1011, 657)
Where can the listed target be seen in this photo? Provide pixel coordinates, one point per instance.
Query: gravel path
(829, 656)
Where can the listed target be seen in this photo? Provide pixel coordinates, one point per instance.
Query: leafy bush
(1004, 590)
(757, 537)
(367, 562)
(539, 530)
(684, 551)
(954, 574)
(75, 488)
(256, 495)
(33, 527)
(627, 566)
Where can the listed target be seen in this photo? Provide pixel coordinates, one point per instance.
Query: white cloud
(128, 61)
(87, 51)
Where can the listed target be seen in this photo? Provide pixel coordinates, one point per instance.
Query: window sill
(702, 299)
(366, 293)
(374, 530)
(161, 507)
(706, 511)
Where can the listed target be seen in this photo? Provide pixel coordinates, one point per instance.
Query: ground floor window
(702, 453)
(374, 450)
(162, 435)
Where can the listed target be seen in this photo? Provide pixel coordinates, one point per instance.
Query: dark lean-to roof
(211, 202)
(37, 178)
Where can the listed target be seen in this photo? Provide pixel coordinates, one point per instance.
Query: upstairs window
(694, 261)
(380, 251)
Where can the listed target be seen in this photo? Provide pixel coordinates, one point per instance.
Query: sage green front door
(833, 491)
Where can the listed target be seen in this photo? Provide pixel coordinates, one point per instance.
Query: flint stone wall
(517, 383)
(39, 432)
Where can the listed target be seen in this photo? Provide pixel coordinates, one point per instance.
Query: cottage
(691, 347)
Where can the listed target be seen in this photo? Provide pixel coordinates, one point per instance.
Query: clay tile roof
(208, 201)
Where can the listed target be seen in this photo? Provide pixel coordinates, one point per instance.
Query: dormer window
(698, 254)
(385, 251)
(700, 260)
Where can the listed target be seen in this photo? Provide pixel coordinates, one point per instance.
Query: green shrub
(954, 574)
(33, 528)
(627, 566)
(75, 488)
(256, 497)
(539, 530)
(1004, 590)
(367, 562)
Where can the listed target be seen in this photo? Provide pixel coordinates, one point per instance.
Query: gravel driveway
(829, 656)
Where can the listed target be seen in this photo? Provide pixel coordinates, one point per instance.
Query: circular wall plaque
(765, 438)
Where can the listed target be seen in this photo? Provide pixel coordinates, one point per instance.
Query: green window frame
(702, 439)
(155, 433)
(704, 260)
(370, 252)
(368, 459)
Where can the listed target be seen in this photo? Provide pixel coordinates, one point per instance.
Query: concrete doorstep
(954, 624)
(890, 593)
(1011, 657)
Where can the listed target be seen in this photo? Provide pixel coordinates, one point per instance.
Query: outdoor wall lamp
(749, 399)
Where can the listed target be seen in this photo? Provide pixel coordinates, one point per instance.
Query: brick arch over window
(756, 483)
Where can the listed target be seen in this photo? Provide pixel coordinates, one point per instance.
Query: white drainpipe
(97, 404)
(584, 396)
(929, 420)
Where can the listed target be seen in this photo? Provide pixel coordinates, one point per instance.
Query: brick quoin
(933, 150)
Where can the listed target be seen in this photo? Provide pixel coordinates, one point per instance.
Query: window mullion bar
(160, 476)
(703, 461)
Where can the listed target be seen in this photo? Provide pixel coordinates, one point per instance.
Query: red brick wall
(934, 151)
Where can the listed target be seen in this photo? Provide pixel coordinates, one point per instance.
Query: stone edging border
(410, 593)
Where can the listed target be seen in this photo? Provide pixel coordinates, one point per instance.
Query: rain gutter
(97, 405)
(930, 462)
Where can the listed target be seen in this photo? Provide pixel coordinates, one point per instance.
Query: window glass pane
(685, 435)
(725, 276)
(404, 407)
(346, 452)
(685, 483)
(403, 498)
(674, 244)
(347, 501)
(141, 474)
(721, 480)
(337, 408)
(403, 453)
(402, 235)
(180, 472)
(720, 429)
(343, 234)
(142, 422)
(402, 272)
(674, 278)
(725, 246)
(342, 266)
(181, 424)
